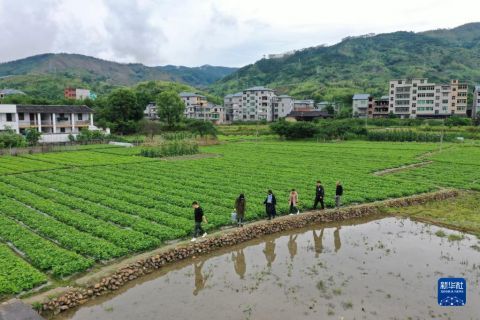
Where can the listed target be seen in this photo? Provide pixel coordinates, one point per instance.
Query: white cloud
(219, 32)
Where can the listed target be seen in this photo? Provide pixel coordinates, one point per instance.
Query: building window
(62, 130)
(9, 117)
(80, 117)
(21, 116)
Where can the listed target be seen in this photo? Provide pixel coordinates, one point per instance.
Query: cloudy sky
(217, 32)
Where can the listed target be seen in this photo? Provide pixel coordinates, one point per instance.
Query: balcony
(27, 124)
(64, 124)
(82, 123)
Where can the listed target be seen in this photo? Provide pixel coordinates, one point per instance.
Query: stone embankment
(79, 296)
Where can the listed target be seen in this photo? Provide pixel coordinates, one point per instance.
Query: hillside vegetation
(365, 64)
(47, 75)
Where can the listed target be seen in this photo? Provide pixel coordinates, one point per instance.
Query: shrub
(295, 130)
(170, 148)
(32, 136)
(407, 136)
(458, 121)
(10, 139)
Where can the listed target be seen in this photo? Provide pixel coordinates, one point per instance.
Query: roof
(477, 88)
(361, 96)
(27, 108)
(258, 88)
(11, 91)
(309, 114)
(190, 94)
(384, 97)
(304, 101)
(284, 96)
(231, 95)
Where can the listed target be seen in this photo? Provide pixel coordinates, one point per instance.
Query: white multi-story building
(476, 102)
(282, 106)
(197, 107)
(233, 105)
(257, 104)
(261, 103)
(412, 98)
(54, 122)
(361, 104)
(150, 111)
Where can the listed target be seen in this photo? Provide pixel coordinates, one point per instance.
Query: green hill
(47, 75)
(365, 64)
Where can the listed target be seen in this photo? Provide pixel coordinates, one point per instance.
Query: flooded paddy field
(377, 268)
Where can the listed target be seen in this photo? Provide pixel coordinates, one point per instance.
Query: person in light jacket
(270, 203)
(240, 207)
(292, 201)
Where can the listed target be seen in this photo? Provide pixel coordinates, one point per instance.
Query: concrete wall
(4, 124)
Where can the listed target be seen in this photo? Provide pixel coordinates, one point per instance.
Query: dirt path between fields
(402, 168)
(423, 156)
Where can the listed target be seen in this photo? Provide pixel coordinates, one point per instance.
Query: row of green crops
(88, 206)
(16, 275)
(42, 254)
(14, 164)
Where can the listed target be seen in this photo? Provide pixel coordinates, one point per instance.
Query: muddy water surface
(377, 269)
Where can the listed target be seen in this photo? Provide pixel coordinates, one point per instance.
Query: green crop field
(60, 213)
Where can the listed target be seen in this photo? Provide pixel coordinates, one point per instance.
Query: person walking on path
(240, 206)
(319, 195)
(199, 218)
(293, 199)
(270, 203)
(338, 194)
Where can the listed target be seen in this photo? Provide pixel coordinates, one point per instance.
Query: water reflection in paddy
(380, 269)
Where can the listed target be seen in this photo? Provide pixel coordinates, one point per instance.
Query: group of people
(270, 203)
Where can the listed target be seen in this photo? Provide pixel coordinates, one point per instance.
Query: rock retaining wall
(79, 296)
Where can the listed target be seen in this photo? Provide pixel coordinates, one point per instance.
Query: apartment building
(476, 102)
(54, 122)
(233, 104)
(283, 105)
(261, 103)
(412, 98)
(197, 107)
(257, 104)
(381, 107)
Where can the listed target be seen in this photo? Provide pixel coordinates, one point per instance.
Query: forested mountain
(365, 64)
(47, 75)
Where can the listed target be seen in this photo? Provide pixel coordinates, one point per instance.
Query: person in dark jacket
(270, 203)
(199, 218)
(319, 195)
(338, 194)
(240, 207)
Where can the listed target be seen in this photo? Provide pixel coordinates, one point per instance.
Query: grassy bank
(462, 213)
